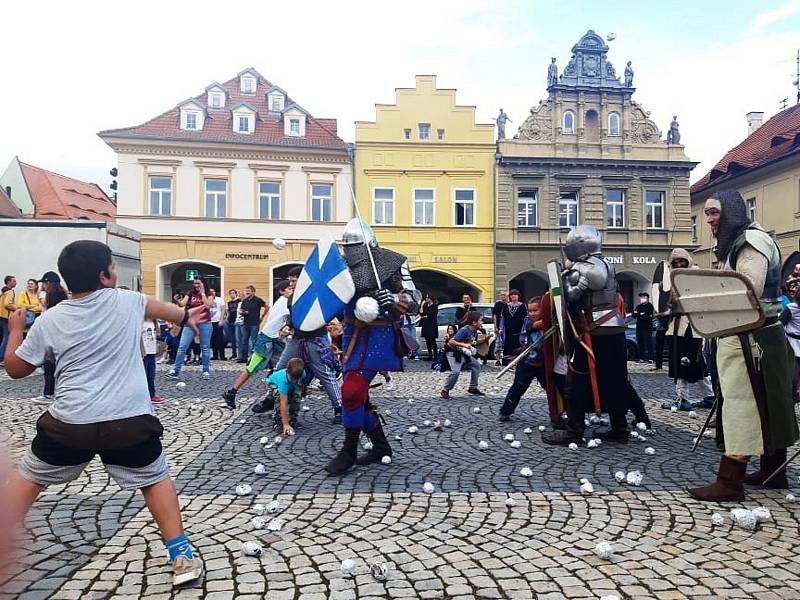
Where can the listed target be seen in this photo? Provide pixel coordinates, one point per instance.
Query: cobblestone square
(89, 539)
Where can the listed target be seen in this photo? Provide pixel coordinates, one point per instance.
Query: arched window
(569, 122)
(613, 124)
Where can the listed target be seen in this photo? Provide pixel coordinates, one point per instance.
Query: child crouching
(286, 385)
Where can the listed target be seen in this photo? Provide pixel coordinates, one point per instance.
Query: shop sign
(614, 260)
(191, 274)
(243, 256)
(445, 259)
(644, 260)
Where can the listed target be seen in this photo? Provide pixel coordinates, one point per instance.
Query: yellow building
(424, 173)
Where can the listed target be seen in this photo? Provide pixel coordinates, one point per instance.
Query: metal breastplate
(600, 301)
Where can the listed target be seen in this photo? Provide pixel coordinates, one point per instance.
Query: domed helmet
(582, 241)
(354, 232)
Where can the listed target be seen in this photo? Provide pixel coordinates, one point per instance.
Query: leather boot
(380, 447)
(729, 486)
(347, 455)
(767, 465)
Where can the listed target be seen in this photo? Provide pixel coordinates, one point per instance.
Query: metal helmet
(582, 241)
(354, 231)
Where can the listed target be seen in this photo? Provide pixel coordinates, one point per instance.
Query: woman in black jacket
(430, 325)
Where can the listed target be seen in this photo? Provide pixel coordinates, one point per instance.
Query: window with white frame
(321, 202)
(247, 85)
(276, 102)
(613, 124)
(424, 206)
(160, 195)
(191, 121)
(216, 100)
(694, 228)
(464, 207)
(654, 209)
(269, 200)
(751, 208)
(527, 205)
(568, 209)
(383, 206)
(569, 122)
(294, 126)
(243, 124)
(615, 209)
(216, 198)
(424, 131)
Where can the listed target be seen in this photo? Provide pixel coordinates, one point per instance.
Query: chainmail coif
(732, 221)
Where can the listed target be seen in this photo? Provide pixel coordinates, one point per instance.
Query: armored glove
(385, 298)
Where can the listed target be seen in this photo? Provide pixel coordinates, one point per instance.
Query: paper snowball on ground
(483, 445)
(527, 430)
(515, 444)
(573, 446)
(604, 550)
(386, 460)
(259, 509)
(650, 450)
(348, 566)
(273, 507)
(259, 469)
(243, 489)
(428, 487)
(587, 488)
(634, 478)
(252, 549)
(510, 502)
(257, 522)
(476, 410)
(762, 514)
(180, 385)
(413, 429)
(641, 426)
(619, 476)
(717, 519)
(525, 472)
(509, 437)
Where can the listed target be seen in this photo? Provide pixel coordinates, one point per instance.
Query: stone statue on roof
(501, 124)
(674, 134)
(552, 73)
(628, 75)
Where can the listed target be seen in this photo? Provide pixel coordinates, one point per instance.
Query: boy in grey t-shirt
(102, 403)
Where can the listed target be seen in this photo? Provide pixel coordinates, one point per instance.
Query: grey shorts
(130, 450)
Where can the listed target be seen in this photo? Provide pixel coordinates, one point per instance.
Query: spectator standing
(513, 315)
(497, 317)
(217, 318)
(29, 300)
(196, 298)
(54, 294)
(790, 318)
(229, 323)
(461, 311)
(102, 405)
(7, 307)
(149, 347)
(644, 313)
(464, 355)
(429, 324)
(252, 309)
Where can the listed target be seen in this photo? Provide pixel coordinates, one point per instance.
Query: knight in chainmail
(595, 330)
(373, 338)
(755, 368)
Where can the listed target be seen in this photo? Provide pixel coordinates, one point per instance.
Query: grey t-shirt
(94, 342)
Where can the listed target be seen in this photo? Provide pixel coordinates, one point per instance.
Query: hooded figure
(755, 368)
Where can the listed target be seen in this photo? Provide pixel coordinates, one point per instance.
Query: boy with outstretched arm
(102, 404)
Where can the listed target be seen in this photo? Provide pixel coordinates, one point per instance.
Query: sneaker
(44, 399)
(337, 417)
(685, 405)
(155, 400)
(185, 570)
(230, 398)
(173, 374)
(206, 375)
(475, 392)
(445, 394)
(504, 418)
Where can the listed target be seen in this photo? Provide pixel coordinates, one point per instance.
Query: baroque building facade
(590, 154)
(212, 182)
(424, 180)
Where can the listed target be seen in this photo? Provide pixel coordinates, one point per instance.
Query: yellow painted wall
(463, 159)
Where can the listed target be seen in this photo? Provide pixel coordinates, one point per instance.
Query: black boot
(768, 463)
(380, 447)
(729, 486)
(347, 455)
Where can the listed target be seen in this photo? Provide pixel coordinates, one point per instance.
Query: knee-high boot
(380, 447)
(768, 463)
(729, 486)
(347, 455)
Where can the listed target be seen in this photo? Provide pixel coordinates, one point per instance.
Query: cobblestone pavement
(89, 539)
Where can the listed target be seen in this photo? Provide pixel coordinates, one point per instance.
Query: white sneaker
(206, 375)
(185, 570)
(44, 399)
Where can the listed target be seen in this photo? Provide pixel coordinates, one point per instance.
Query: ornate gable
(589, 65)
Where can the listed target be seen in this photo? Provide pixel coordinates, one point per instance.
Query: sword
(364, 233)
(537, 344)
(705, 425)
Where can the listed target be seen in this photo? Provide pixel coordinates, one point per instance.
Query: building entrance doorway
(529, 284)
(630, 285)
(445, 288)
(280, 273)
(176, 277)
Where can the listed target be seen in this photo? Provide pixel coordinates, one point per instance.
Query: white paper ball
(276, 524)
(447, 422)
(650, 450)
(527, 430)
(673, 408)
(587, 488)
(252, 549)
(515, 444)
(428, 487)
(717, 519)
(790, 497)
(573, 446)
(509, 437)
(483, 445)
(476, 410)
(258, 509)
(386, 460)
(597, 441)
(243, 489)
(367, 309)
(604, 550)
(264, 440)
(273, 507)
(305, 408)
(762, 514)
(542, 428)
(526, 472)
(619, 476)
(260, 469)
(348, 566)
(181, 385)
(641, 426)
(279, 243)
(427, 422)
(744, 518)
(692, 414)
(413, 429)
(367, 446)
(257, 522)
(634, 478)
(398, 437)
(591, 444)
(278, 440)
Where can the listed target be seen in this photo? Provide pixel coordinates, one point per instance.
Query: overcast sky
(71, 69)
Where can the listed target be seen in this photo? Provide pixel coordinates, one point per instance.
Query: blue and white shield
(323, 289)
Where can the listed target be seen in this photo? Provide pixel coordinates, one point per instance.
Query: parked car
(447, 316)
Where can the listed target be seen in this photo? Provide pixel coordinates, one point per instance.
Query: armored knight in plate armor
(595, 330)
(373, 339)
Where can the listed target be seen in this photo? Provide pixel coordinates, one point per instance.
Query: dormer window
(294, 121)
(191, 121)
(243, 116)
(191, 114)
(215, 100)
(243, 124)
(247, 84)
(216, 96)
(276, 101)
(294, 126)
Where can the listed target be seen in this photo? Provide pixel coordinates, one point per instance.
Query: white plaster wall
(233, 229)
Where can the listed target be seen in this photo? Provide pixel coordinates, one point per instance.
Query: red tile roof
(218, 126)
(60, 197)
(775, 139)
(7, 208)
